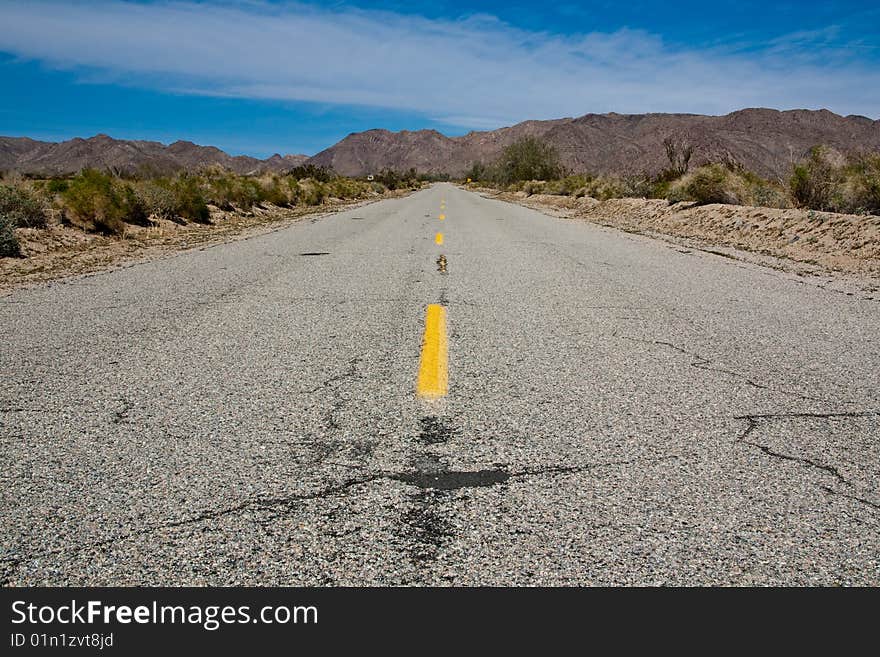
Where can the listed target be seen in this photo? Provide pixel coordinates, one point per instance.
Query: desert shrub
(303, 171)
(769, 195)
(530, 187)
(93, 197)
(9, 246)
(294, 191)
(228, 191)
(398, 179)
(346, 188)
(158, 199)
(189, 201)
(273, 192)
(816, 180)
(860, 191)
(310, 192)
(57, 186)
(477, 172)
(567, 186)
(528, 158)
(713, 183)
(607, 187)
(21, 206)
(134, 209)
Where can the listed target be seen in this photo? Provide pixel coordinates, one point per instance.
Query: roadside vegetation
(822, 181)
(111, 204)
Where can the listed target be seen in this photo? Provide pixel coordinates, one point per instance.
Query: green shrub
(92, 197)
(815, 181)
(57, 186)
(22, 207)
(567, 186)
(189, 202)
(134, 209)
(528, 158)
(303, 171)
(9, 246)
(478, 172)
(398, 179)
(228, 191)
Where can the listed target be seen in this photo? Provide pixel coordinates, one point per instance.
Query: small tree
(529, 158)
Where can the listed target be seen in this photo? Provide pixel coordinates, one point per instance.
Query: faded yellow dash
(442, 217)
(433, 373)
(438, 238)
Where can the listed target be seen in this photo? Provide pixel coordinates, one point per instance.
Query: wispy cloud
(476, 72)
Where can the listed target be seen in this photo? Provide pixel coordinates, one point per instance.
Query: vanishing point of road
(440, 389)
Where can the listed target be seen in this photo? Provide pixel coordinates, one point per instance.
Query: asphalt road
(618, 411)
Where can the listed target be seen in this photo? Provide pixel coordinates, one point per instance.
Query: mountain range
(763, 140)
(103, 152)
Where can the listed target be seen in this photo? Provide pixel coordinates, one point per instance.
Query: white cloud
(477, 72)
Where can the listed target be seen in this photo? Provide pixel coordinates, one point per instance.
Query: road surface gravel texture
(618, 412)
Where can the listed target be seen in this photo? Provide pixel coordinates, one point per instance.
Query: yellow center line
(442, 217)
(438, 239)
(433, 369)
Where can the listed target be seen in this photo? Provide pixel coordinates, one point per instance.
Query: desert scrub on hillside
(21, 206)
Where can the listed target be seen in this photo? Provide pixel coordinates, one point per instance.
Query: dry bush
(533, 187)
(21, 206)
(860, 192)
(816, 180)
(158, 199)
(713, 183)
(9, 246)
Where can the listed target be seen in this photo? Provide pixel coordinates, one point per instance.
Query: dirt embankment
(62, 250)
(828, 242)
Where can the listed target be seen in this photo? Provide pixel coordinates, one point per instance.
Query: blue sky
(259, 77)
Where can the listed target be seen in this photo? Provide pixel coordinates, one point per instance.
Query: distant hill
(763, 140)
(103, 152)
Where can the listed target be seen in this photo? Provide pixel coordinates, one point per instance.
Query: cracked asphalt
(618, 412)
